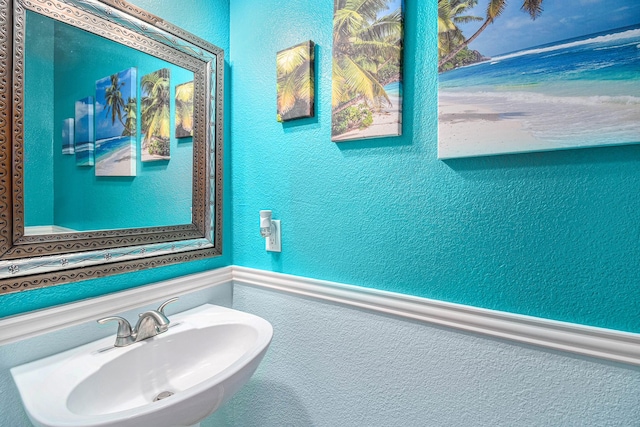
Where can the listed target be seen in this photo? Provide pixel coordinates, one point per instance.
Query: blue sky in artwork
(67, 132)
(84, 120)
(105, 128)
(392, 6)
(560, 20)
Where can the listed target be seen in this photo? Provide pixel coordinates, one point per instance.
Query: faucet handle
(124, 328)
(164, 304)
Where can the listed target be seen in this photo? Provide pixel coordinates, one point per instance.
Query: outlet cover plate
(274, 242)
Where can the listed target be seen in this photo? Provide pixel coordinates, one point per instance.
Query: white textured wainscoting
(331, 364)
(352, 356)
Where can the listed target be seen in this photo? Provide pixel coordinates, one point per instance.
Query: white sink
(206, 356)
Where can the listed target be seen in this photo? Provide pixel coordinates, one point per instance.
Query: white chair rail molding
(581, 339)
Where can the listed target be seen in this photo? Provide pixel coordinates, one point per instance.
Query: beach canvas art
(532, 76)
(116, 124)
(83, 132)
(367, 69)
(155, 116)
(67, 137)
(295, 82)
(184, 110)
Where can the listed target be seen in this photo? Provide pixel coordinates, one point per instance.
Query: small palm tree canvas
(184, 110)
(67, 137)
(83, 132)
(156, 116)
(116, 124)
(367, 69)
(295, 81)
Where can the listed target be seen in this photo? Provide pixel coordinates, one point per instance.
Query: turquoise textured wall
(550, 234)
(38, 119)
(210, 21)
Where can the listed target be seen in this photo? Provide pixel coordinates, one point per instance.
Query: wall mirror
(110, 142)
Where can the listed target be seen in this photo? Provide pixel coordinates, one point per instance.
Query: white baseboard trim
(39, 322)
(586, 340)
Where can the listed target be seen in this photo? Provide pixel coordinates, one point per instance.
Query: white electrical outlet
(274, 241)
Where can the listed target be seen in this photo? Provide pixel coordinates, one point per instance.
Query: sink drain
(163, 395)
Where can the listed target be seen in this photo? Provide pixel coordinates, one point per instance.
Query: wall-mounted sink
(174, 379)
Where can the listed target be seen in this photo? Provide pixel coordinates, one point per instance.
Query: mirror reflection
(108, 134)
(138, 184)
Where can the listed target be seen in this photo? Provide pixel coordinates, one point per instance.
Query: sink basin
(177, 378)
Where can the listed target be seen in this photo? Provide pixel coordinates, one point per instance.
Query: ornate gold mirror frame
(33, 261)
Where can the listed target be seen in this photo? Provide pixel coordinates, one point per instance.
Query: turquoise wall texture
(210, 21)
(38, 119)
(550, 234)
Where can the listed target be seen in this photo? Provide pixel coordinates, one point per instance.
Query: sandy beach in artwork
(472, 130)
(117, 163)
(478, 124)
(388, 121)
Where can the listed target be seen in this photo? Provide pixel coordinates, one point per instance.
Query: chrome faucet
(150, 324)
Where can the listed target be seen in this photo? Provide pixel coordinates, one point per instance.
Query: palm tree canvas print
(184, 110)
(155, 116)
(116, 124)
(295, 81)
(537, 75)
(67, 137)
(367, 69)
(83, 132)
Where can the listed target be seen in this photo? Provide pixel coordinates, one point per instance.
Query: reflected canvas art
(295, 81)
(367, 69)
(83, 132)
(116, 122)
(184, 110)
(67, 137)
(536, 76)
(155, 116)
